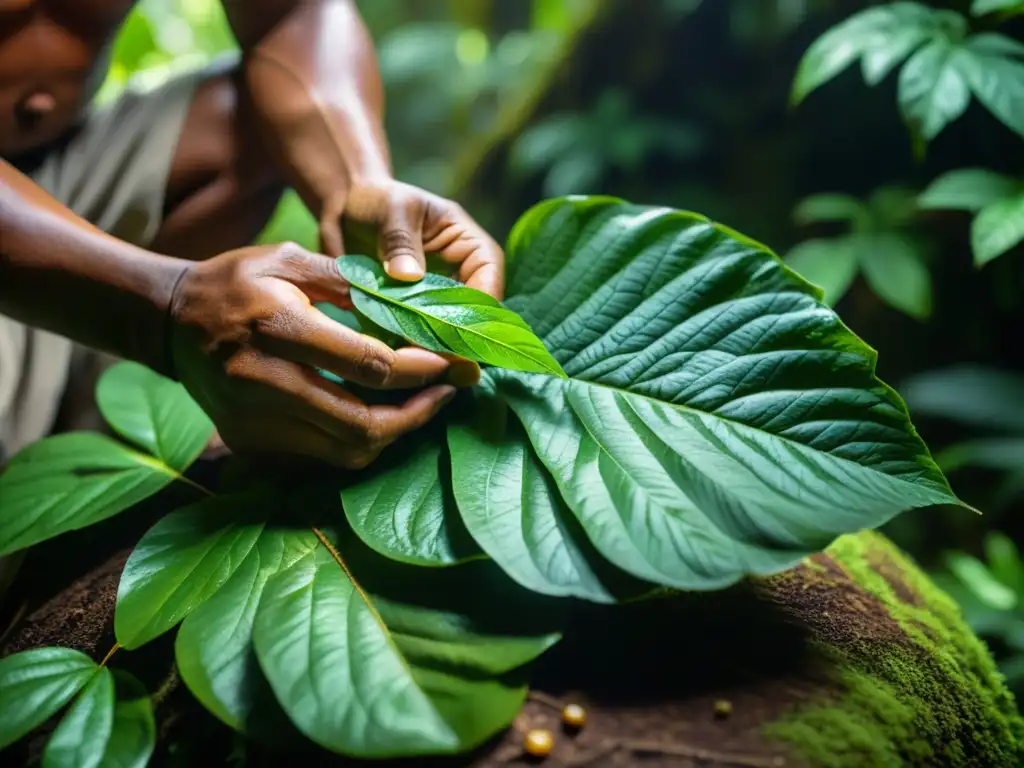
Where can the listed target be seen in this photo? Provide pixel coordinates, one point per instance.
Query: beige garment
(114, 174)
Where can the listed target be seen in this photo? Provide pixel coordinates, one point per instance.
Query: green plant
(701, 417)
(983, 399)
(879, 244)
(943, 64)
(996, 199)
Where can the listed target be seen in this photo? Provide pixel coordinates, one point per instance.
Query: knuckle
(398, 241)
(376, 362)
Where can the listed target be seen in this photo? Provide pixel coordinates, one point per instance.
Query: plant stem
(110, 653)
(188, 481)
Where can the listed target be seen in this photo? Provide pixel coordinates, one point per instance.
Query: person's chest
(49, 51)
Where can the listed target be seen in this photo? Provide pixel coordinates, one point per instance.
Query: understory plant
(664, 405)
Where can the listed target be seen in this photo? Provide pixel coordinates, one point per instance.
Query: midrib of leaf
(388, 636)
(460, 328)
(740, 426)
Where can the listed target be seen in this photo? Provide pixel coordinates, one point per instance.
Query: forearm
(312, 75)
(61, 274)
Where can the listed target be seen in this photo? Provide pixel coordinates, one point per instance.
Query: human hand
(401, 223)
(246, 340)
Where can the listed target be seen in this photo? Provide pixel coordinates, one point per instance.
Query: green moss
(917, 686)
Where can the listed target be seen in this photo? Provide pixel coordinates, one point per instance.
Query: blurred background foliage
(877, 146)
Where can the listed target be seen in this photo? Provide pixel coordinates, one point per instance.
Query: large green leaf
(512, 508)
(717, 419)
(72, 481)
(133, 736)
(440, 314)
(183, 560)
(402, 507)
(81, 738)
(374, 658)
(968, 189)
(997, 228)
(154, 413)
(35, 684)
(214, 645)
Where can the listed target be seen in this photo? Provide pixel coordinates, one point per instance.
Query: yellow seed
(723, 708)
(540, 743)
(574, 716)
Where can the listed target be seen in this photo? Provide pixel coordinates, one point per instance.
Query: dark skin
(236, 324)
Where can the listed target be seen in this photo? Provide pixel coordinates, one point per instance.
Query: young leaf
(440, 314)
(182, 561)
(133, 736)
(512, 508)
(998, 228)
(72, 481)
(154, 413)
(214, 645)
(933, 91)
(402, 506)
(35, 684)
(895, 272)
(968, 189)
(717, 420)
(81, 738)
(372, 658)
(829, 264)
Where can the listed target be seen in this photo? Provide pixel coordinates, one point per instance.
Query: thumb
(401, 244)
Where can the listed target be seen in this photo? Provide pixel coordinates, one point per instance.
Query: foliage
(713, 420)
(879, 244)
(979, 398)
(944, 64)
(996, 199)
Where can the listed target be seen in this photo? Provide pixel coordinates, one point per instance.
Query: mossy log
(852, 659)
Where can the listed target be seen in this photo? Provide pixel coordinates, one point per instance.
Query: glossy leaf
(81, 738)
(717, 419)
(402, 506)
(895, 272)
(373, 658)
(72, 481)
(512, 508)
(214, 645)
(133, 736)
(36, 684)
(440, 314)
(968, 189)
(155, 413)
(829, 264)
(183, 560)
(997, 229)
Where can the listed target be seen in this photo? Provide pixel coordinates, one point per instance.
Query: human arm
(311, 73)
(239, 330)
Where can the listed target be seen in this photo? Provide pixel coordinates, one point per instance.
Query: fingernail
(449, 397)
(464, 373)
(404, 268)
